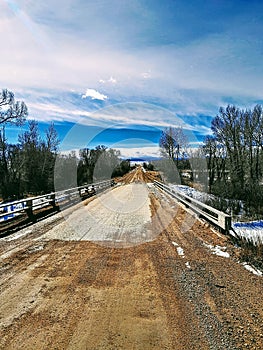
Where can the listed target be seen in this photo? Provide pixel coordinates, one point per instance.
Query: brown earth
(169, 293)
(140, 175)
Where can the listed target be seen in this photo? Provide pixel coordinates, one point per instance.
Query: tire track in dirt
(81, 295)
(213, 284)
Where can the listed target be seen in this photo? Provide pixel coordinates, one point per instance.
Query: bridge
(31, 206)
(136, 266)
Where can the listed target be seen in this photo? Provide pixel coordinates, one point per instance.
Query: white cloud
(46, 50)
(140, 152)
(94, 95)
(131, 152)
(111, 80)
(146, 75)
(35, 58)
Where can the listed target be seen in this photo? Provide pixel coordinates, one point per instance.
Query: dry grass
(251, 253)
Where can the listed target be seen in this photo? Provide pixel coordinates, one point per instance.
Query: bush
(252, 254)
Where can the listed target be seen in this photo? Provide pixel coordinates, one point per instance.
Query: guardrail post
(224, 221)
(53, 201)
(228, 224)
(29, 210)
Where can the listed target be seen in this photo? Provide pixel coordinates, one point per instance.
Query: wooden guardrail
(216, 217)
(28, 205)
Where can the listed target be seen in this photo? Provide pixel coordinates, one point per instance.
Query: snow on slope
(191, 192)
(251, 231)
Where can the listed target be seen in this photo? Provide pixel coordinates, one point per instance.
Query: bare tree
(11, 111)
(49, 150)
(254, 141)
(229, 129)
(52, 140)
(173, 143)
(236, 149)
(215, 154)
(97, 164)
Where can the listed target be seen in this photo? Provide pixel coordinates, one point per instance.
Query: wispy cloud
(111, 80)
(131, 52)
(217, 62)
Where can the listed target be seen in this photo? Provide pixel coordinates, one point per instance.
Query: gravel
(120, 216)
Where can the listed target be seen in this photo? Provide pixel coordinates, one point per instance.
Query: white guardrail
(28, 205)
(211, 214)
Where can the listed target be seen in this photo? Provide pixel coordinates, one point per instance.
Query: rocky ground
(167, 282)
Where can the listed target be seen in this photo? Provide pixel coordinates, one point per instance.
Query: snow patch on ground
(36, 248)
(180, 250)
(187, 264)
(252, 269)
(251, 231)
(218, 250)
(191, 192)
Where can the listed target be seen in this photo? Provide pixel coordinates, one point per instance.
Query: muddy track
(170, 292)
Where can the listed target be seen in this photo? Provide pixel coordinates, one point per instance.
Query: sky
(118, 72)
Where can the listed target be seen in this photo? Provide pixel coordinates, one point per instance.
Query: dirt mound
(139, 174)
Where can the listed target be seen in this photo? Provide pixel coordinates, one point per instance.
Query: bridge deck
(182, 289)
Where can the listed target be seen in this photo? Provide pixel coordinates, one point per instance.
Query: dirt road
(121, 217)
(68, 284)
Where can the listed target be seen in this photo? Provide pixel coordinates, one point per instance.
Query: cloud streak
(140, 152)
(215, 62)
(130, 53)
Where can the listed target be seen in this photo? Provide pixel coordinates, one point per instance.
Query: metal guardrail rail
(27, 205)
(211, 214)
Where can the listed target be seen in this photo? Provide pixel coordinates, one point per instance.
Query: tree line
(174, 149)
(88, 166)
(234, 154)
(33, 165)
(27, 167)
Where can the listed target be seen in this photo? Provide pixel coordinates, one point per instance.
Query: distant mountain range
(141, 160)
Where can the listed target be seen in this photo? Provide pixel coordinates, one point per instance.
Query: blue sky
(130, 67)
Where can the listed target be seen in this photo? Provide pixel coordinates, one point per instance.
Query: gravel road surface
(121, 216)
(118, 272)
